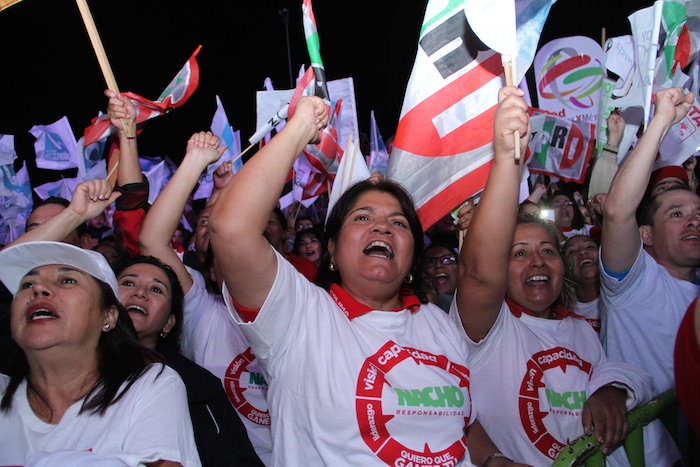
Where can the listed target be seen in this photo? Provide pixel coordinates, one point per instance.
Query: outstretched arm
(618, 248)
(483, 271)
(163, 217)
(241, 212)
(121, 108)
(89, 200)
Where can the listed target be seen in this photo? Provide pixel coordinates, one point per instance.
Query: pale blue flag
(55, 145)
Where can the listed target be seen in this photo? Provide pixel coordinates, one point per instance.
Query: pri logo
(388, 415)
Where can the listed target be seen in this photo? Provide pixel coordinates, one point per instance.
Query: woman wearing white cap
(81, 389)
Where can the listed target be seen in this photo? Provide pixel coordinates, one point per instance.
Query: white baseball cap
(16, 261)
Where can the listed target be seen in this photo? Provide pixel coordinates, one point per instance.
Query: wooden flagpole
(102, 58)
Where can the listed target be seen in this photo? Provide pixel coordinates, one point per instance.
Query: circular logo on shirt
(247, 389)
(538, 403)
(385, 403)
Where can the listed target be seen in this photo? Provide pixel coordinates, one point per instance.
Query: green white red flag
(560, 147)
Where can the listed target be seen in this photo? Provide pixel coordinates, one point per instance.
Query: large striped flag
(442, 149)
(174, 95)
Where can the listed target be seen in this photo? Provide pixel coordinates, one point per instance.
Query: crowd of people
(494, 338)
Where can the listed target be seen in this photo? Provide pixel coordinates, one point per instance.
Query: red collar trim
(352, 308)
(559, 311)
(567, 229)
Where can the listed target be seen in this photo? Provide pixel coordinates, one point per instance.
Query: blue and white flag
(62, 188)
(55, 145)
(7, 149)
(221, 127)
(91, 163)
(16, 201)
(158, 171)
(378, 155)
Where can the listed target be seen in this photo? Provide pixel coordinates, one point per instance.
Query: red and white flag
(560, 147)
(174, 95)
(442, 148)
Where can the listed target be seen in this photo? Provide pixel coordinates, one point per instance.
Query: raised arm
(120, 107)
(618, 246)
(241, 212)
(89, 200)
(163, 217)
(485, 255)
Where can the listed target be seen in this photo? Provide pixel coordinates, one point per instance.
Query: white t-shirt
(150, 422)
(380, 388)
(531, 377)
(590, 311)
(641, 314)
(212, 339)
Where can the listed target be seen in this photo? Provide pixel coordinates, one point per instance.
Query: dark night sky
(49, 69)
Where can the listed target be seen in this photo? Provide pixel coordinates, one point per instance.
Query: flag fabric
(174, 95)
(680, 20)
(682, 140)
(269, 102)
(17, 202)
(568, 76)
(352, 169)
(221, 127)
(55, 145)
(158, 171)
(323, 156)
(91, 161)
(309, 182)
(560, 147)
(7, 149)
(509, 27)
(62, 188)
(442, 148)
(379, 157)
(314, 48)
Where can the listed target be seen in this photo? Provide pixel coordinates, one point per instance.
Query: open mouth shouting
(379, 249)
(38, 313)
(137, 309)
(537, 280)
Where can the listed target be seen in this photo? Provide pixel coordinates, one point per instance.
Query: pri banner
(568, 75)
(560, 147)
(682, 140)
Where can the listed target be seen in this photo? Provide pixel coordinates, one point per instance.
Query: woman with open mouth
(151, 293)
(540, 376)
(362, 370)
(82, 389)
